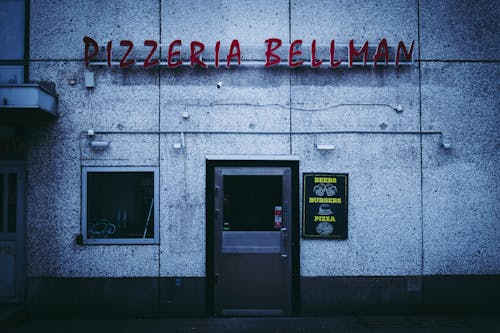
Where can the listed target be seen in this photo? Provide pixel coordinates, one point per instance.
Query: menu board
(324, 207)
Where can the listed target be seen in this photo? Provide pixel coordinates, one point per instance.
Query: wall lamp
(399, 108)
(324, 147)
(100, 144)
(445, 142)
(97, 144)
(182, 144)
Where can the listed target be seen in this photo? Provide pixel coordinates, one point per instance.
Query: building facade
(134, 183)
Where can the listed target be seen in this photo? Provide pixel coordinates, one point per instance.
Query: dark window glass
(12, 30)
(11, 142)
(120, 205)
(11, 74)
(249, 202)
(12, 203)
(1, 202)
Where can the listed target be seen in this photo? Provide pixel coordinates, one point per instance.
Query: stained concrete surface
(411, 209)
(415, 208)
(352, 324)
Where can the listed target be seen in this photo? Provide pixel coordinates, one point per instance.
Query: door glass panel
(250, 201)
(12, 203)
(1, 202)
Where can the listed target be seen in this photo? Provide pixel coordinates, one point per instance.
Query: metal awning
(28, 101)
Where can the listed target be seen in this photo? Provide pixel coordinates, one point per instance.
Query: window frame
(120, 241)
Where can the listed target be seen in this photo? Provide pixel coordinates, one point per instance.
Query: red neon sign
(273, 55)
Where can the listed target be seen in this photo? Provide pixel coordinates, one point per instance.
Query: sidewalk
(337, 324)
(10, 315)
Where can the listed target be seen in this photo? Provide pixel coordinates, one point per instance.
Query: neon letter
(172, 53)
(355, 53)
(124, 62)
(292, 52)
(148, 63)
(408, 55)
(333, 63)
(269, 52)
(380, 54)
(108, 49)
(197, 48)
(234, 45)
(217, 48)
(87, 56)
(314, 62)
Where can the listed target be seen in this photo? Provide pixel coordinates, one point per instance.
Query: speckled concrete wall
(460, 97)
(414, 207)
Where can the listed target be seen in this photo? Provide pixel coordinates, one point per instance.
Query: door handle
(217, 276)
(284, 241)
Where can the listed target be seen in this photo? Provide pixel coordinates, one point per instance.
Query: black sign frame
(324, 205)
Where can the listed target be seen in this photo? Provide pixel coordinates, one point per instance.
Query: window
(120, 205)
(13, 58)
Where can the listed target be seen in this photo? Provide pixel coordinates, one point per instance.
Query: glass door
(252, 245)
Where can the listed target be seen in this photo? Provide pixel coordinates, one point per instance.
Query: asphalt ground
(337, 324)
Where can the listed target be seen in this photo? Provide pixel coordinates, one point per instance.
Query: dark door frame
(210, 230)
(19, 238)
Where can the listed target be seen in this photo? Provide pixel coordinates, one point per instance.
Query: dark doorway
(252, 240)
(12, 273)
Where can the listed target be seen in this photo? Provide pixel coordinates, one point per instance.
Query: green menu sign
(324, 208)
